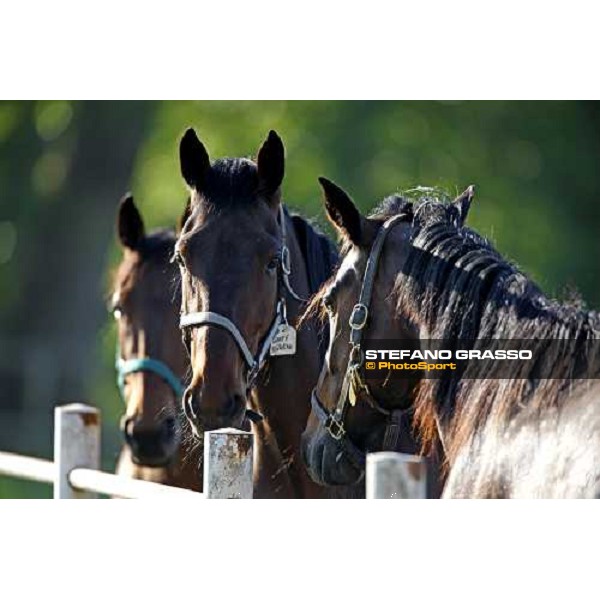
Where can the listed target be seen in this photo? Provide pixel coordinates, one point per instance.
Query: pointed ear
(271, 166)
(130, 226)
(187, 211)
(462, 204)
(342, 212)
(193, 159)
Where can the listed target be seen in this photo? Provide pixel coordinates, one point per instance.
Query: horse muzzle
(230, 412)
(152, 446)
(326, 460)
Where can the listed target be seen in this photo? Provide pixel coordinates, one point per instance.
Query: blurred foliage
(534, 165)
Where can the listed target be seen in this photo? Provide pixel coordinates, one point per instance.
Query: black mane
(454, 285)
(321, 259)
(319, 252)
(391, 205)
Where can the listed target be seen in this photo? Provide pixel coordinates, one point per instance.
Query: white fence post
(397, 476)
(76, 444)
(228, 468)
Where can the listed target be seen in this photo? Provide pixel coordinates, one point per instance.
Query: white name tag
(284, 342)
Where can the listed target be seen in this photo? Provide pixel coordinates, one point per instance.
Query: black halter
(353, 384)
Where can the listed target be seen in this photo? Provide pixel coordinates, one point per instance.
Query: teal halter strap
(135, 365)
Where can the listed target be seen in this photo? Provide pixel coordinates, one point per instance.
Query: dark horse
(534, 432)
(151, 360)
(246, 266)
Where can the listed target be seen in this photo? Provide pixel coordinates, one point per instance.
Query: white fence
(228, 461)
(391, 475)
(228, 455)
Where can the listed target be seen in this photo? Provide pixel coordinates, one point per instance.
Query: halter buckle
(335, 428)
(358, 318)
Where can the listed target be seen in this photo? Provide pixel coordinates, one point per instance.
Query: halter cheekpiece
(353, 385)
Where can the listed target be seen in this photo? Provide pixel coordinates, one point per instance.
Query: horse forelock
(230, 182)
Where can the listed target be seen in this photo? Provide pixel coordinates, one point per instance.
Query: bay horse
(530, 432)
(246, 267)
(151, 360)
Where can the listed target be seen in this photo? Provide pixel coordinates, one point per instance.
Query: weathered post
(396, 476)
(76, 444)
(228, 455)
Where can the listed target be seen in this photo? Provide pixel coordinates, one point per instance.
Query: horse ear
(342, 211)
(193, 159)
(271, 166)
(129, 223)
(462, 204)
(187, 211)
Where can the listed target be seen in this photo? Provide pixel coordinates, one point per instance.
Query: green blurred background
(64, 166)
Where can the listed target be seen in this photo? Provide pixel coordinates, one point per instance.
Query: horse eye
(272, 265)
(328, 303)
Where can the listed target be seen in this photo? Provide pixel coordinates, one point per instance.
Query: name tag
(284, 342)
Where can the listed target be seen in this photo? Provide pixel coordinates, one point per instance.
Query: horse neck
(542, 319)
(284, 400)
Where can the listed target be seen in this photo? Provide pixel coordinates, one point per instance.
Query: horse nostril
(151, 443)
(233, 405)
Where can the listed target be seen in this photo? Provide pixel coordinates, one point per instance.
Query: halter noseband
(353, 383)
(255, 363)
(152, 365)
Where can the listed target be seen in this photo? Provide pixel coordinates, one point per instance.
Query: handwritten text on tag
(284, 342)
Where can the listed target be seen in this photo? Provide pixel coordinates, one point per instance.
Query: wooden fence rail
(75, 473)
(26, 467)
(228, 462)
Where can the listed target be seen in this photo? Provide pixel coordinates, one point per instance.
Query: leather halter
(255, 363)
(152, 365)
(353, 382)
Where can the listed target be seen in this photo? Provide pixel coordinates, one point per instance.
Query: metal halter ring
(286, 265)
(359, 316)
